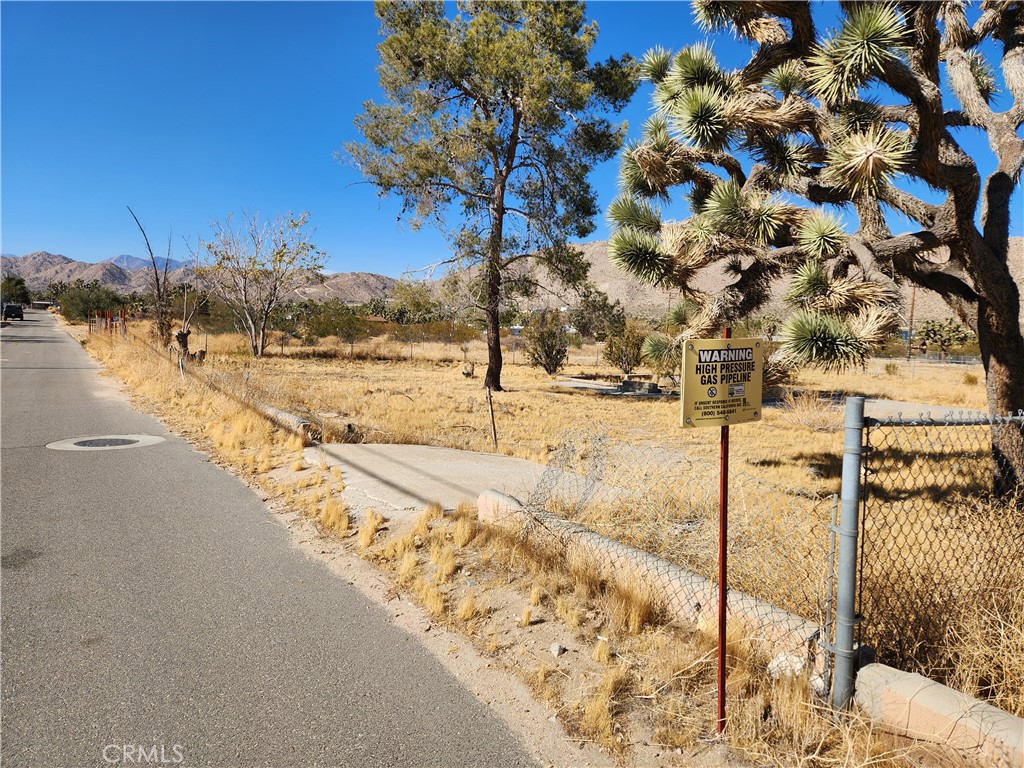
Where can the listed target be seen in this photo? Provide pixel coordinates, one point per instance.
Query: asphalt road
(153, 608)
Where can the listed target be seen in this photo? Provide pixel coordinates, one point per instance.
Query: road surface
(153, 608)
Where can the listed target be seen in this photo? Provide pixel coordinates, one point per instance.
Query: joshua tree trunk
(1002, 352)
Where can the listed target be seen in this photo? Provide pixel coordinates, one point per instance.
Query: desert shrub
(546, 341)
(970, 379)
(624, 350)
(81, 299)
(891, 369)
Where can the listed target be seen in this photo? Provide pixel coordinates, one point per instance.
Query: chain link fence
(936, 541)
(648, 508)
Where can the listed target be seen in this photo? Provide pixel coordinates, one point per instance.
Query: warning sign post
(722, 382)
(722, 387)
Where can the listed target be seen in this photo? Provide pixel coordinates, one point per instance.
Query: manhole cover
(104, 442)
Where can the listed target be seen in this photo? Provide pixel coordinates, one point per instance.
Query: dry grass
(988, 649)
(810, 411)
(429, 401)
(633, 605)
(527, 618)
(469, 609)
(546, 685)
(372, 524)
(597, 718)
(536, 595)
(444, 560)
(408, 567)
(432, 599)
(463, 531)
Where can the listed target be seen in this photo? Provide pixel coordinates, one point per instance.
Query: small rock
(557, 650)
(818, 685)
(785, 664)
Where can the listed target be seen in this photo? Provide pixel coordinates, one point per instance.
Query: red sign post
(721, 387)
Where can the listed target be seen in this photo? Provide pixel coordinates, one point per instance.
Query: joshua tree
(852, 121)
(944, 334)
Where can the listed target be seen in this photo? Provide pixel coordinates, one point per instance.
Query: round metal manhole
(104, 443)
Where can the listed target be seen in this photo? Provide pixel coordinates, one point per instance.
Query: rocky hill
(41, 268)
(128, 262)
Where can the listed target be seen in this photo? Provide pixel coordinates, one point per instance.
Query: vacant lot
(376, 393)
(379, 394)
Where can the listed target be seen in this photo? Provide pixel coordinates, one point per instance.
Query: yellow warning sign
(722, 382)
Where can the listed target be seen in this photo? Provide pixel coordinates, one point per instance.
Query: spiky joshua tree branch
(793, 165)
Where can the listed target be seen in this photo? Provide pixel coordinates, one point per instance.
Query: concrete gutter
(688, 596)
(963, 730)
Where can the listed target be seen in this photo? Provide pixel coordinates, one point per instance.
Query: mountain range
(124, 261)
(127, 274)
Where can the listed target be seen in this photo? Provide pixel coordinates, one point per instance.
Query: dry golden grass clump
(597, 716)
(463, 531)
(810, 411)
(545, 683)
(333, 516)
(372, 524)
(633, 605)
(432, 599)
(469, 609)
(444, 560)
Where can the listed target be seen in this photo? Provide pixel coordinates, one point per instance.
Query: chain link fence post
(846, 595)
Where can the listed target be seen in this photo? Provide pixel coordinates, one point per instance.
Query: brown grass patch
(372, 524)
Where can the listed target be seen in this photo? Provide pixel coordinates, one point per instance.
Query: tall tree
(496, 112)
(254, 266)
(856, 121)
(14, 290)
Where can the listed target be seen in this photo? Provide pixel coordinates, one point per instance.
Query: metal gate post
(846, 594)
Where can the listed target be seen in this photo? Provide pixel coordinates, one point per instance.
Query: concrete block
(965, 731)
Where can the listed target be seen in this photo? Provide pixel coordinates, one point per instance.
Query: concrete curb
(965, 731)
(688, 596)
(285, 420)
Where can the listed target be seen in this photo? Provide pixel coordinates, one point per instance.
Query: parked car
(12, 311)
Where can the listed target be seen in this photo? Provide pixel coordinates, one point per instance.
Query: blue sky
(188, 111)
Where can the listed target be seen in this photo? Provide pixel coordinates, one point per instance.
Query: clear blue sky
(188, 111)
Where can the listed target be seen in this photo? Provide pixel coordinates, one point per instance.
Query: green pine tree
(493, 119)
